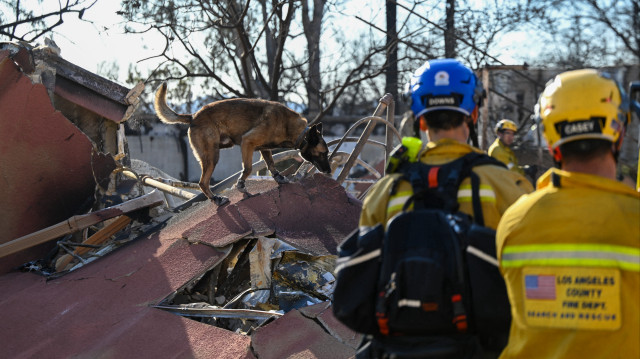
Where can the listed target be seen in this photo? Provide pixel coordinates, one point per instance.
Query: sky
(89, 45)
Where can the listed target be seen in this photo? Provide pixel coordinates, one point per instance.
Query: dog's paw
(246, 195)
(220, 200)
(241, 187)
(280, 178)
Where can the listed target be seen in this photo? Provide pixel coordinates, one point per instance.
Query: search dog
(252, 124)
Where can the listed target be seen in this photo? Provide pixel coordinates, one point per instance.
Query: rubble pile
(260, 280)
(251, 269)
(121, 268)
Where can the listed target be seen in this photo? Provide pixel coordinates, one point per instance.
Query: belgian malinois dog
(252, 124)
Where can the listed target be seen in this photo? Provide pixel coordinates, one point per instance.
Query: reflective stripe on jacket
(499, 188)
(570, 255)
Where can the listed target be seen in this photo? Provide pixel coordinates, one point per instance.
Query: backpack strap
(478, 216)
(479, 159)
(436, 186)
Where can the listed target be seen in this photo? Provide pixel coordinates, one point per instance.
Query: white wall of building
(165, 153)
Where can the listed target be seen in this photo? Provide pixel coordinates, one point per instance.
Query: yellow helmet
(582, 104)
(506, 125)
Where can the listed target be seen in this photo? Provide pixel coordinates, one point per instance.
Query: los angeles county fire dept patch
(580, 298)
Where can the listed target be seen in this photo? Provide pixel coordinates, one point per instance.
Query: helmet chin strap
(471, 125)
(617, 146)
(423, 123)
(557, 156)
(474, 115)
(615, 149)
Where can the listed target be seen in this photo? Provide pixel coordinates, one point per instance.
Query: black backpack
(433, 271)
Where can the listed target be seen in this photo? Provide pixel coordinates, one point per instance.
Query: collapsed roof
(250, 279)
(107, 308)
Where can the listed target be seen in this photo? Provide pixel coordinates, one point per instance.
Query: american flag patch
(540, 286)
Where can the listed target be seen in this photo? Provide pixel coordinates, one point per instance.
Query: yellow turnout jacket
(504, 154)
(570, 255)
(499, 187)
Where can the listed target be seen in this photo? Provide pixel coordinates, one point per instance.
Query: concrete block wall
(165, 153)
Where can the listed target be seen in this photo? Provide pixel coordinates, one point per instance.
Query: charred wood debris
(260, 278)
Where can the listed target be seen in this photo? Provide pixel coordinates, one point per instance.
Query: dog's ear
(314, 135)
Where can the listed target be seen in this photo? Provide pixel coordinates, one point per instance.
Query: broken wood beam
(132, 99)
(99, 237)
(79, 222)
(149, 181)
(179, 184)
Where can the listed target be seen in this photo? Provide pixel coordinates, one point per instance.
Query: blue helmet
(444, 84)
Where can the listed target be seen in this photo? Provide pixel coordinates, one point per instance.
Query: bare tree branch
(349, 81)
(38, 22)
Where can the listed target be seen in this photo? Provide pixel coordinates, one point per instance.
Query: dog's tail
(164, 112)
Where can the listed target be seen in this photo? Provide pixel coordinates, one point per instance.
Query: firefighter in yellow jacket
(445, 97)
(501, 150)
(570, 252)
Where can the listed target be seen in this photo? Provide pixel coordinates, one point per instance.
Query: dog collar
(300, 140)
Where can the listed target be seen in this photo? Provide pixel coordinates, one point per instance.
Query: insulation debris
(261, 278)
